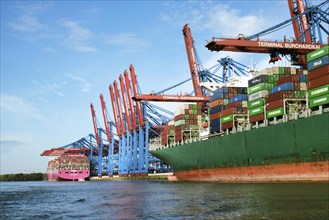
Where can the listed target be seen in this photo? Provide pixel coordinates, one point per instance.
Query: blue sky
(58, 56)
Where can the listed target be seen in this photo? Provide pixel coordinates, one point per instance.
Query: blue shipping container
(289, 86)
(242, 97)
(318, 63)
(302, 78)
(215, 126)
(217, 108)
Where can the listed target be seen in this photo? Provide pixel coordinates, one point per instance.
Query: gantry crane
(112, 151)
(306, 23)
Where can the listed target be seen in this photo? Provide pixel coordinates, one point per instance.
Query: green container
(258, 87)
(319, 91)
(270, 79)
(179, 122)
(256, 111)
(274, 112)
(321, 100)
(256, 103)
(317, 53)
(195, 111)
(276, 77)
(281, 70)
(186, 116)
(226, 118)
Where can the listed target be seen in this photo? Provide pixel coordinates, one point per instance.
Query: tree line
(23, 177)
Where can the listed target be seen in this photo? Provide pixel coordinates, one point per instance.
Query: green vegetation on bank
(23, 177)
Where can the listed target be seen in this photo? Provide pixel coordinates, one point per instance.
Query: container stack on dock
(318, 84)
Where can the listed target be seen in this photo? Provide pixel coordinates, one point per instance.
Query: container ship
(276, 129)
(69, 167)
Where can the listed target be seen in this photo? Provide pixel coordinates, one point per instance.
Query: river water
(162, 200)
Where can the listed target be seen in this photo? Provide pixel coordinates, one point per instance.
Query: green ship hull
(299, 142)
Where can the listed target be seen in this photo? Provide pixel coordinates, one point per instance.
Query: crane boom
(115, 111)
(191, 56)
(135, 90)
(170, 98)
(95, 123)
(131, 104)
(297, 49)
(125, 104)
(106, 123)
(118, 103)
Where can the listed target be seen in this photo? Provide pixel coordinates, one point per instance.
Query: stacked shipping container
(168, 134)
(292, 85)
(258, 89)
(187, 121)
(318, 85)
(224, 103)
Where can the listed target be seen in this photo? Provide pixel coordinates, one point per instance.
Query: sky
(58, 56)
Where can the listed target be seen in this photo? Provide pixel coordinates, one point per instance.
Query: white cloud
(60, 94)
(79, 37)
(28, 20)
(128, 42)
(82, 82)
(19, 106)
(26, 23)
(232, 21)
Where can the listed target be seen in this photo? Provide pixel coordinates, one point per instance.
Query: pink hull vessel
(68, 175)
(68, 168)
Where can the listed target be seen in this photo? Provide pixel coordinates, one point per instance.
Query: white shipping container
(244, 104)
(303, 86)
(267, 71)
(179, 112)
(275, 70)
(293, 71)
(257, 95)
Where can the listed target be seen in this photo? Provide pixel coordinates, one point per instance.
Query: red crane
(193, 64)
(115, 111)
(171, 98)
(131, 104)
(95, 124)
(135, 90)
(118, 104)
(297, 49)
(107, 129)
(191, 56)
(125, 102)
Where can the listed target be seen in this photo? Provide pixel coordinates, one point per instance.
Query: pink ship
(68, 168)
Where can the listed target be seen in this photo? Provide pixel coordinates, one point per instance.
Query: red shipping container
(237, 104)
(227, 112)
(279, 95)
(227, 125)
(216, 102)
(291, 78)
(275, 104)
(254, 118)
(287, 70)
(318, 82)
(322, 71)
